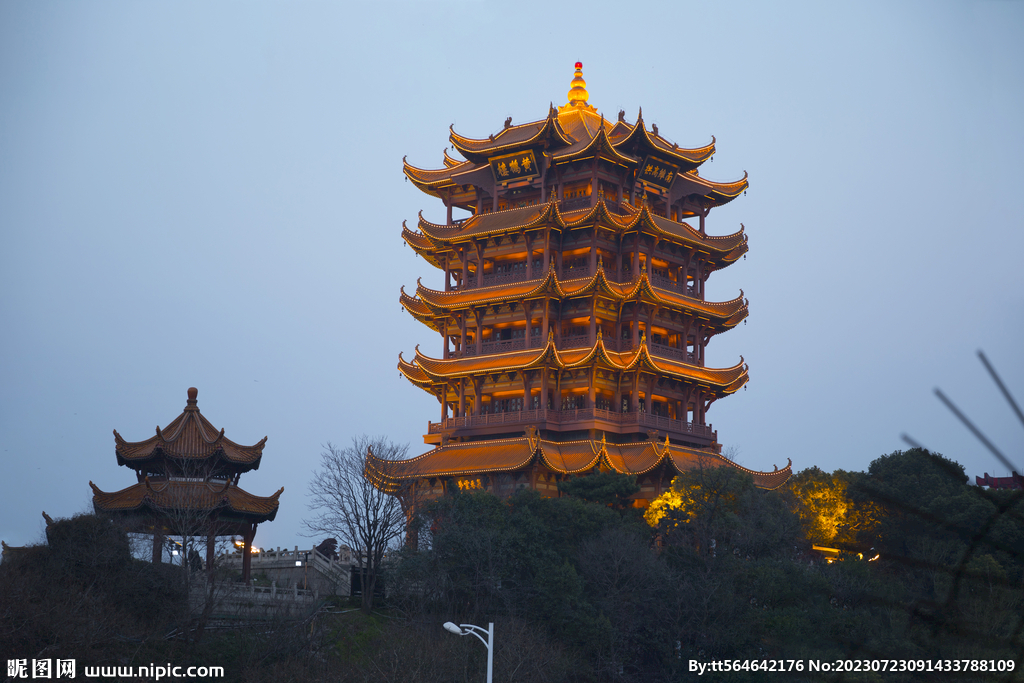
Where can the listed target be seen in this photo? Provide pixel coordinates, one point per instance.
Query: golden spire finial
(578, 88)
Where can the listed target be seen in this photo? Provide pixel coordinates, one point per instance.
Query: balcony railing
(560, 417)
(670, 352)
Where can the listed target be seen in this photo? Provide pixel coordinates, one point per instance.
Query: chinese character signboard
(518, 166)
(656, 172)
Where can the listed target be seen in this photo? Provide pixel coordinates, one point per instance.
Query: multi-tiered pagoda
(187, 486)
(573, 317)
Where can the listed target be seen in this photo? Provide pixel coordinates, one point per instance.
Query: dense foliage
(584, 588)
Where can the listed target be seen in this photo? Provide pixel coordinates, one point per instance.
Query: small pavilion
(187, 486)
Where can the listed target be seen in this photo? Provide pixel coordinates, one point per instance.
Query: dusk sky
(211, 195)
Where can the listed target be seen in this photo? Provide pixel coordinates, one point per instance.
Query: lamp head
(449, 626)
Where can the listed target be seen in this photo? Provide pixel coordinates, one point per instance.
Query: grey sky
(210, 195)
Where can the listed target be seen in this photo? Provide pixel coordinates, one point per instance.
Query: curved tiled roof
(512, 137)
(424, 371)
(639, 136)
(434, 237)
(571, 457)
(165, 496)
(432, 301)
(189, 437)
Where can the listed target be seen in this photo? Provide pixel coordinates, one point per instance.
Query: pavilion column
(479, 331)
(546, 321)
(525, 305)
(544, 388)
(462, 397)
(479, 264)
(636, 256)
(547, 251)
(158, 545)
(634, 398)
(250, 534)
(526, 391)
(444, 403)
(478, 397)
(592, 391)
(636, 323)
(447, 339)
(464, 270)
(617, 399)
(592, 333)
(650, 394)
(447, 276)
(448, 205)
(529, 255)
(593, 251)
(462, 333)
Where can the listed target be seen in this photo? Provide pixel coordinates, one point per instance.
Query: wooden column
(478, 397)
(592, 391)
(544, 377)
(464, 271)
(529, 256)
(479, 264)
(547, 319)
(636, 257)
(636, 323)
(248, 537)
(479, 331)
(593, 252)
(462, 333)
(592, 333)
(462, 397)
(634, 395)
(650, 395)
(526, 391)
(546, 259)
(158, 545)
(525, 306)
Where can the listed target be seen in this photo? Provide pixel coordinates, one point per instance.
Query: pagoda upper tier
(430, 304)
(433, 239)
(522, 156)
(188, 445)
(428, 372)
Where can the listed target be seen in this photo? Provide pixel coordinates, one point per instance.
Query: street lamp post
(467, 629)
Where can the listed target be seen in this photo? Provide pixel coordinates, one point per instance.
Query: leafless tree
(347, 506)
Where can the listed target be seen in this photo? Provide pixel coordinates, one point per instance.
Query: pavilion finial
(578, 88)
(192, 394)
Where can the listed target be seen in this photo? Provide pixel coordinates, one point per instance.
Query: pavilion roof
(178, 497)
(434, 238)
(189, 437)
(432, 302)
(569, 457)
(573, 131)
(424, 371)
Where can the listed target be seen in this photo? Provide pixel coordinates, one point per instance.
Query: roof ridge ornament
(578, 94)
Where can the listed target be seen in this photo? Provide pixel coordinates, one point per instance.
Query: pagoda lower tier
(573, 392)
(504, 466)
